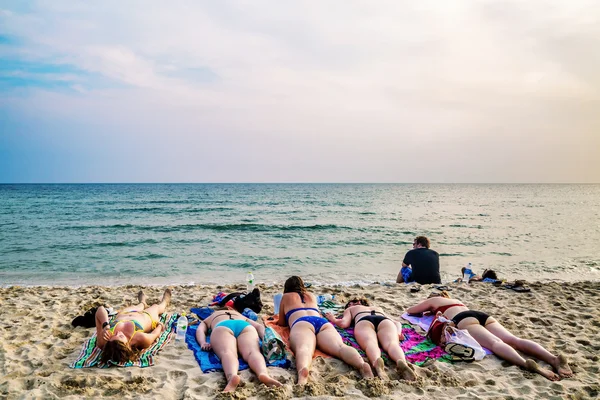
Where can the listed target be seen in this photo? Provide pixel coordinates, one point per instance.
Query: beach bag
(462, 345)
(273, 347)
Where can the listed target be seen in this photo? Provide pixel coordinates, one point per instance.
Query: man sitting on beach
(421, 264)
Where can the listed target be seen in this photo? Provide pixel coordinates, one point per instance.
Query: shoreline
(37, 343)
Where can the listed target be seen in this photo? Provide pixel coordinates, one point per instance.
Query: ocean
(154, 234)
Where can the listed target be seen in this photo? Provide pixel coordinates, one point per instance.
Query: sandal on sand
(458, 350)
(517, 288)
(443, 287)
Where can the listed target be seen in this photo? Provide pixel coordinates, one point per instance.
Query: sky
(300, 91)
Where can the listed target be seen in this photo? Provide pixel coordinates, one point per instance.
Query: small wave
(367, 213)
(151, 256)
(241, 227)
(451, 255)
(465, 226)
(501, 254)
(86, 227)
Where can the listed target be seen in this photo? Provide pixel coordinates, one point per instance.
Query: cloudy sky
(300, 91)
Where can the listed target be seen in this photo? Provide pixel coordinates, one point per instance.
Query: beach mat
(208, 360)
(90, 354)
(417, 348)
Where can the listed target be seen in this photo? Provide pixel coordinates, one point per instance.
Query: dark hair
(489, 273)
(295, 284)
(423, 241)
(117, 352)
(363, 301)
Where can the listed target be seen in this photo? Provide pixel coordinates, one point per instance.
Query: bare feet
(532, 366)
(267, 380)
(232, 384)
(405, 371)
(380, 368)
(303, 376)
(166, 297)
(561, 366)
(142, 298)
(366, 371)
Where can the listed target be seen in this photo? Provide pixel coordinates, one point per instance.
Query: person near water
(308, 331)
(489, 333)
(133, 329)
(231, 334)
(421, 264)
(372, 328)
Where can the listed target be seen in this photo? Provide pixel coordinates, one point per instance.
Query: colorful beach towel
(208, 360)
(425, 321)
(417, 348)
(90, 354)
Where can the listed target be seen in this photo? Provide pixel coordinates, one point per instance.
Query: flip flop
(518, 288)
(458, 350)
(443, 287)
(415, 289)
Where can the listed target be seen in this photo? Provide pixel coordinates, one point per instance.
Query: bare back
(293, 301)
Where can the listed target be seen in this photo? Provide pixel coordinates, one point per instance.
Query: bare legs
(488, 339)
(226, 347)
(329, 341)
(559, 363)
(303, 343)
(387, 335)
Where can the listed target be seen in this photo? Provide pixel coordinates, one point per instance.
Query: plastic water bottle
(250, 282)
(182, 324)
(323, 298)
(248, 313)
(467, 273)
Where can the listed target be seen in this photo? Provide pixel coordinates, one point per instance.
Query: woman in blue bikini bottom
(308, 330)
(231, 333)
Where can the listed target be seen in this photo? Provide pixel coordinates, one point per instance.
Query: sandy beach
(37, 344)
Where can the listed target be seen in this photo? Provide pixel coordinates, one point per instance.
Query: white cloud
(338, 90)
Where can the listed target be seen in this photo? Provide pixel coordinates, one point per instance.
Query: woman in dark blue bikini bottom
(308, 330)
(372, 328)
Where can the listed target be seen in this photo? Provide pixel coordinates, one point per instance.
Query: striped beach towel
(90, 354)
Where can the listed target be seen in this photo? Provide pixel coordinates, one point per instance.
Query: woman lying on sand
(232, 333)
(372, 328)
(134, 329)
(308, 330)
(491, 334)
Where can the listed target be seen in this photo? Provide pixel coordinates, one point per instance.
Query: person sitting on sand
(373, 328)
(308, 330)
(491, 334)
(134, 329)
(421, 264)
(232, 333)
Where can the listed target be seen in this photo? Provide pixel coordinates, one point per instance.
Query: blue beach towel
(208, 360)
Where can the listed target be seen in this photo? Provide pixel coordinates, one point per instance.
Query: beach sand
(37, 343)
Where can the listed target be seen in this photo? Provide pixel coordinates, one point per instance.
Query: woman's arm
(102, 333)
(343, 322)
(201, 336)
(423, 306)
(281, 321)
(145, 340)
(259, 327)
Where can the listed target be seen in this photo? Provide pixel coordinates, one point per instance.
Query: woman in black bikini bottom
(491, 334)
(373, 328)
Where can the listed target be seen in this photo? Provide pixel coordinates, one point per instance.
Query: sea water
(111, 234)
